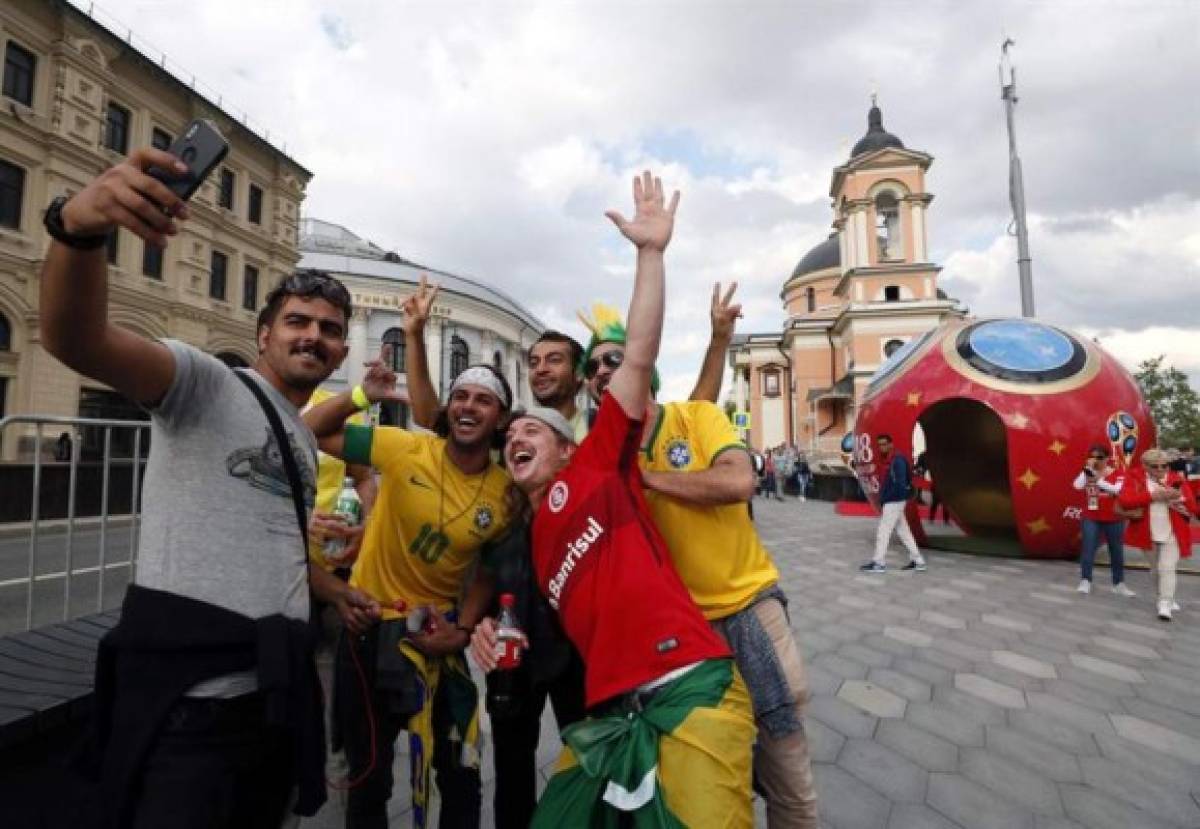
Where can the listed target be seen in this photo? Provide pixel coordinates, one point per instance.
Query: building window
(19, 65)
(152, 260)
(113, 246)
(498, 362)
(225, 197)
(887, 226)
(116, 128)
(891, 293)
(5, 334)
(810, 296)
(891, 347)
(160, 139)
(255, 208)
(771, 383)
(12, 192)
(250, 288)
(393, 344)
(459, 356)
(216, 281)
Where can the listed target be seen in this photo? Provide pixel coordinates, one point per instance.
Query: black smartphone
(201, 147)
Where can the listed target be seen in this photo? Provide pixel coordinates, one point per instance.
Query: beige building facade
(851, 302)
(76, 99)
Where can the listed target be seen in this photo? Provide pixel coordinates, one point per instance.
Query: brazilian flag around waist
(615, 757)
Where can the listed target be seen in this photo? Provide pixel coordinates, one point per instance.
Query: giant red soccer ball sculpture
(1008, 409)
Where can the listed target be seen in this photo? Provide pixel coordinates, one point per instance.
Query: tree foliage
(1174, 404)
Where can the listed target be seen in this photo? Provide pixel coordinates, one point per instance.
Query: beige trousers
(782, 766)
(1164, 558)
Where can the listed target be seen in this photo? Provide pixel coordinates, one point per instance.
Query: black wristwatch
(54, 226)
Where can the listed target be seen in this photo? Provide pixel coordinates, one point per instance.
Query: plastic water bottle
(502, 698)
(348, 507)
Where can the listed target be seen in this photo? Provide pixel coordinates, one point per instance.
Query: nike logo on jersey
(413, 479)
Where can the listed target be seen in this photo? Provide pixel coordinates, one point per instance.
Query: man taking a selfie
(207, 709)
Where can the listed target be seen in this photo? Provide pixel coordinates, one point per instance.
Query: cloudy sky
(488, 139)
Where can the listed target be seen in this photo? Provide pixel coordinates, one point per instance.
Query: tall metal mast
(1016, 182)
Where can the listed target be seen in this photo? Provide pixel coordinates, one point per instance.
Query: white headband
(485, 378)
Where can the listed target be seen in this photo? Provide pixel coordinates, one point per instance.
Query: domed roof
(828, 254)
(877, 137)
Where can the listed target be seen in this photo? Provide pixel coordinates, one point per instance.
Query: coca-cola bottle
(509, 645)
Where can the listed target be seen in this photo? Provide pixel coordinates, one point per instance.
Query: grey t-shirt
(218, 521)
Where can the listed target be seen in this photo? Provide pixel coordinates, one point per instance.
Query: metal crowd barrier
(139, 430)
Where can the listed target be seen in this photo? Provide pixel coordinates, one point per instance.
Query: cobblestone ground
(982, 693)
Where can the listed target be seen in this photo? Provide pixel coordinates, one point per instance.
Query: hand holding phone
(201, 148)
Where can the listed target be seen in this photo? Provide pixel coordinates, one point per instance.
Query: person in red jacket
(1161, 502)
(1101, 484)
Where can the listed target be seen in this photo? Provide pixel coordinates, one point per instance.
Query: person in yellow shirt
(698, 478)
(331, 474)
(440, 499)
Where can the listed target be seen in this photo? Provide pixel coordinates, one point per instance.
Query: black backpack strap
(285, 451)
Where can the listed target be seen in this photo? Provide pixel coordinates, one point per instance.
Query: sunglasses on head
(309, 283)
(612, 359)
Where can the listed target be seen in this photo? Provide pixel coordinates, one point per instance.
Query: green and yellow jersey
(429, 521)
(716, 549)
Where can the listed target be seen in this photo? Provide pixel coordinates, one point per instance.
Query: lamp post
(1016, 183)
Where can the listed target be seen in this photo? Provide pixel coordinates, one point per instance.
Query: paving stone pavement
(981, 693)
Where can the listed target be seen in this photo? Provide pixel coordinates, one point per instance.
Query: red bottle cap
(507, 599)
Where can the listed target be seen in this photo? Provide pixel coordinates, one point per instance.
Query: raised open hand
(723, 314)
(653, 220)
(417, 306)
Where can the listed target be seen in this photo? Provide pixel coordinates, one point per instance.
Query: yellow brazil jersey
(330, 473)
(429, 520)
(716, 549)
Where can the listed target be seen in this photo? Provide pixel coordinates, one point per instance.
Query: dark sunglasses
(1098, 457)
(1157, 465)
(611, 359)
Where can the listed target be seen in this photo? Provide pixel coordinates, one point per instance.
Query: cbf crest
(679, 453)
(484, 518)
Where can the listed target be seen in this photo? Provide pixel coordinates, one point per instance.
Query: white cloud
(489, 138)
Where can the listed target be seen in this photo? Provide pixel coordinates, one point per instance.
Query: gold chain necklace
(442, 493)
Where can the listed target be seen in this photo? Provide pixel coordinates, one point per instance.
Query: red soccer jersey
(1099, 504)
(602, 564)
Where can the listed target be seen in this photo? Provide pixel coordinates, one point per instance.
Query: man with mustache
(441, 498)
(207, 712)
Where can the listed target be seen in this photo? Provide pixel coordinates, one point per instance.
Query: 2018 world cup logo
(1123, 436)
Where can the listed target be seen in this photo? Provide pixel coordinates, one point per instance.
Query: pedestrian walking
(1162, 503)
(895, 490)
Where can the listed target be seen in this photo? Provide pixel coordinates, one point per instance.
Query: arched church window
(887, 226)
(393, 341)
(811, 297)
(459, 356)
(891, 293)
(891, 347)
(5, 334)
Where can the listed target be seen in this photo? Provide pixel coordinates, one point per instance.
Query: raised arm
(74, 290)
(650, 230)
(422, 396)
(724, 316)
(328, 418)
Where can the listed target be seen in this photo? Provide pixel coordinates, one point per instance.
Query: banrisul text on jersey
(575, 551)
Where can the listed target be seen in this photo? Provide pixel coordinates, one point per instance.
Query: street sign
(741, 420)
